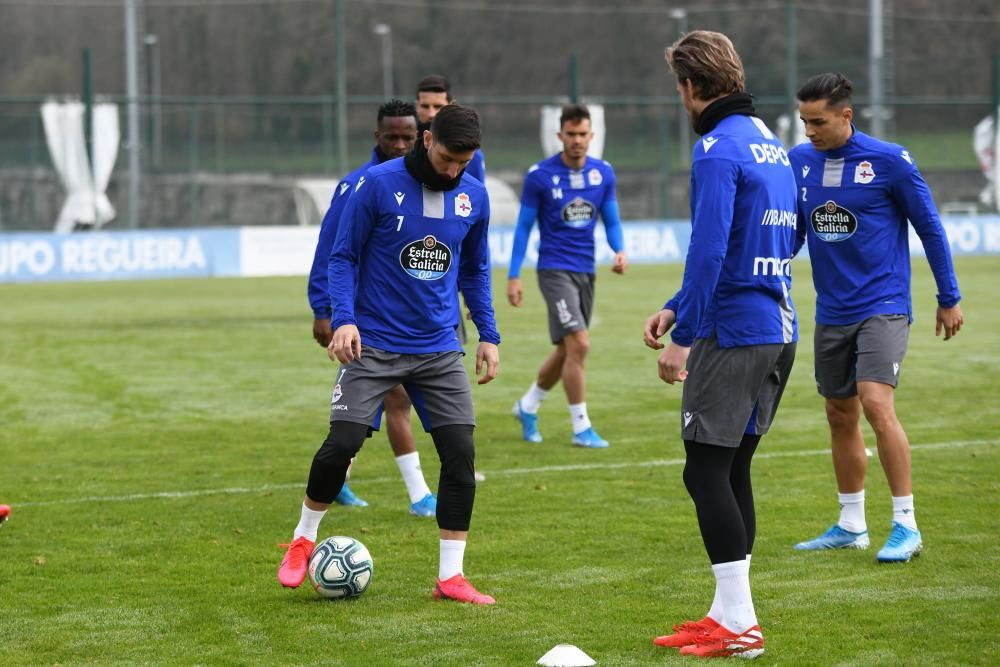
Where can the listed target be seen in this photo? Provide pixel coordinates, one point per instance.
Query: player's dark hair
(574, 113)
(457, 127)
(396, 109)
(833, 87)
(434, 83)
(709, 60)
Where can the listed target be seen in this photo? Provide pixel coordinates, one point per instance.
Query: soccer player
(395, 136)
(565, 193)
(855, 195)
(415, 231)
(734, 327)
(433, 94)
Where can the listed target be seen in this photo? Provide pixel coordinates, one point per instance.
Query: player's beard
(418, 163)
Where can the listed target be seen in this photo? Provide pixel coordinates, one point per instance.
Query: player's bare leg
(877, 400)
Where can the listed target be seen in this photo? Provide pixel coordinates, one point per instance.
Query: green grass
(155, 439)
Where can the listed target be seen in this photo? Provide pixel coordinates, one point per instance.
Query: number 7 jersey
(401, 254)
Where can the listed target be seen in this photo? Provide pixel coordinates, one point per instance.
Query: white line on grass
(492, 473)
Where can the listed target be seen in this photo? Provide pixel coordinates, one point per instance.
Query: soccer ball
(340, 567)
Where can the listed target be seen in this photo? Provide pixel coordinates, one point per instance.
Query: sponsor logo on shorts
(832, 222)
(578, 213)
(562, 311)
(426, 259)
(687, 418)
(338, 407)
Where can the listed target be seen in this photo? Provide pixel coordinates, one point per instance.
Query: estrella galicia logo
(833, 223)
(426, 259)
(578, 213)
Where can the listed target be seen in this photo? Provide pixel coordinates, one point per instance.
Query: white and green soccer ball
(340, 567)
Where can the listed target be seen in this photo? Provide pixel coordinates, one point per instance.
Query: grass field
(155, 439)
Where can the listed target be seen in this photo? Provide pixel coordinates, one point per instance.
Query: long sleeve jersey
(737, 276)
(853, 203)
(567, 203)
(401, 255)
(319, 295)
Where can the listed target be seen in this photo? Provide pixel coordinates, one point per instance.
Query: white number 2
(803, 194)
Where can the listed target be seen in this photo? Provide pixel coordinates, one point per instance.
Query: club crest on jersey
(594, 177)
(463, 205)
(864, 173)
(833, 223)
(578, 213)
(337, 393)
(426, 258)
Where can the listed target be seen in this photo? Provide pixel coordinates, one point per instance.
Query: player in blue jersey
(414, 232)
(734, 326)
(395, 136)
(433, 94)
(565, 193)
(855, 196)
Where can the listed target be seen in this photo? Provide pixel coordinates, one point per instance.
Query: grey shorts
(570, 298)
(437, 384)
(870, 350)
(733, 391)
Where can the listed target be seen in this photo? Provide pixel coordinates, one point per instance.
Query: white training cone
(566, 655)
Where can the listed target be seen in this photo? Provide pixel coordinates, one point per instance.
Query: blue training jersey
(568, 202)
(477, 166)
(854, 202)
(319, 295)
(400, 257)
(737, 275)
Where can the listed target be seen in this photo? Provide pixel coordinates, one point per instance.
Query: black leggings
(718, 479)
(456, 486)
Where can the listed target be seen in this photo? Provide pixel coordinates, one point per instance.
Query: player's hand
(950, 320)
(656, 326)
(346, 344)
(672, 362)
(514, 293)
(490, 354)
(620, 263)
(322, 332)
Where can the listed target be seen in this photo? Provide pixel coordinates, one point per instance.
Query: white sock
(578, 417)
(413, 476)
(852, 511)
(733, 581)
(717, 613)
(452, 557)
(532, 400)
(902, 511)
(308, 523)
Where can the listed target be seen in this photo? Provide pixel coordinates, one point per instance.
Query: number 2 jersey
(854, 202)
(737, 276)
(400, 256)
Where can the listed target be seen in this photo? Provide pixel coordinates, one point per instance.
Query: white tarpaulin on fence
(86, 203)
(550, 127)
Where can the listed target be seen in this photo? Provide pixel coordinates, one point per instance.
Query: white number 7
(400, 225)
